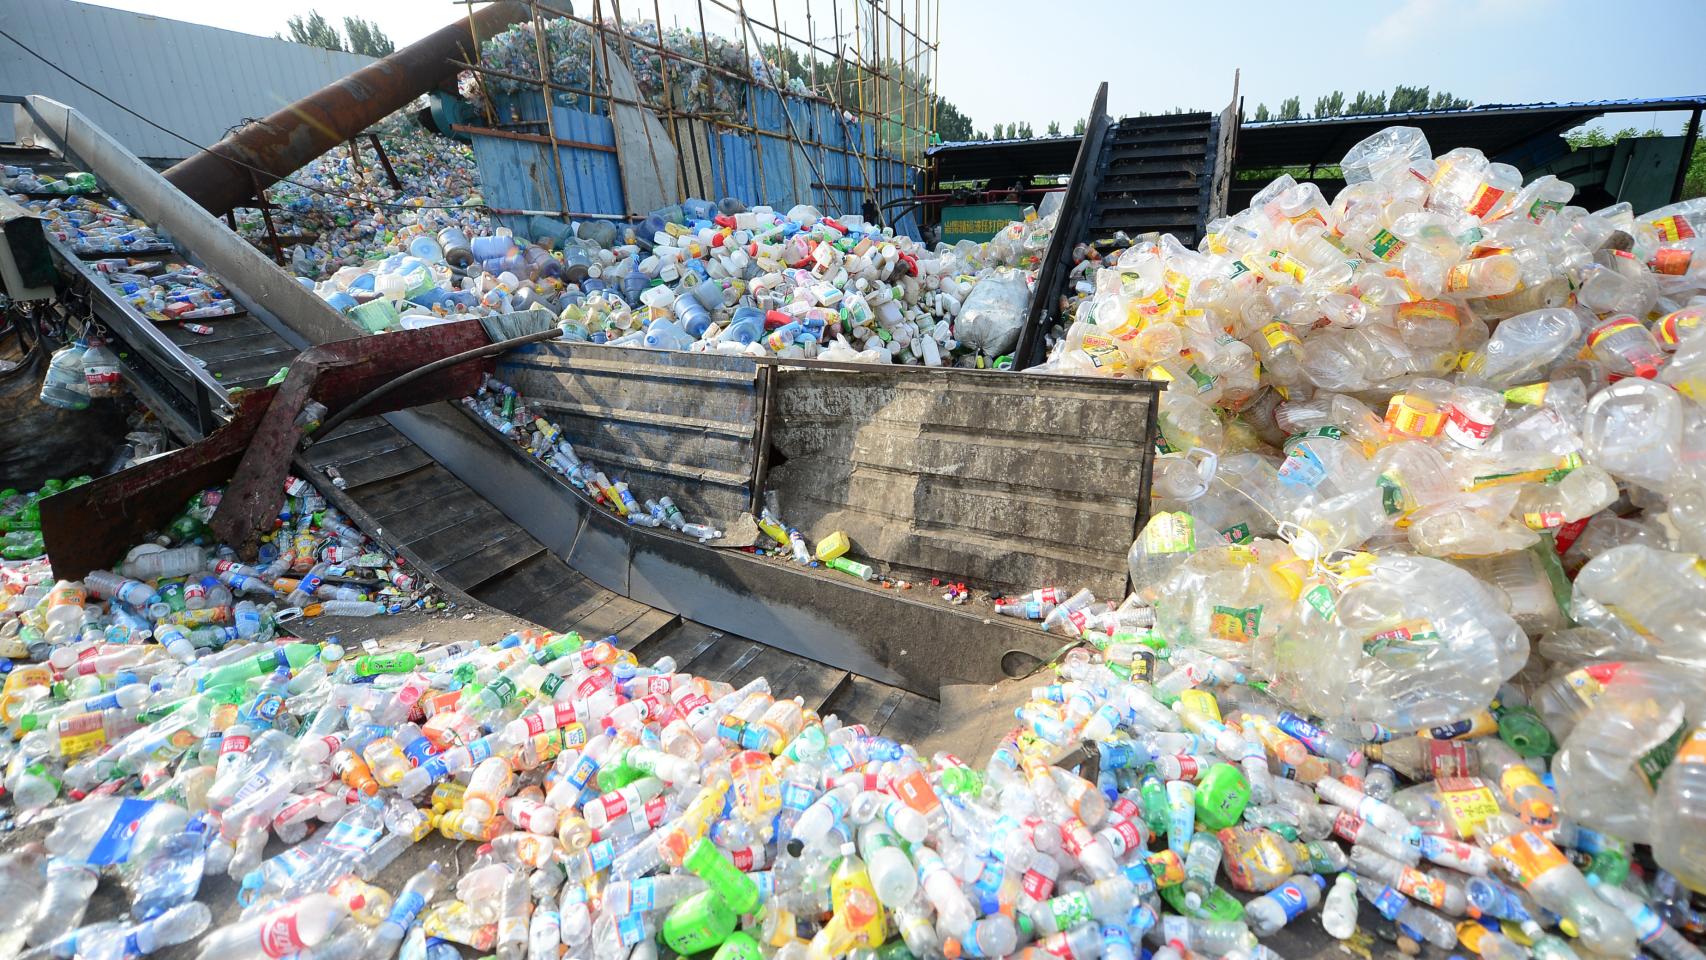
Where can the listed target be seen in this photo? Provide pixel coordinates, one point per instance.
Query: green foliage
(1599, 138)
(314, 31)
(1054, 128)
(366, 38)
(1367, 103)
(1262, 113)
(1290, 109)
(1025, 131)
(1079, 127)
(951, 124)
(1332, 105)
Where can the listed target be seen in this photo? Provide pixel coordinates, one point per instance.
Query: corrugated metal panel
(682, 424)
(780, 170)
(193, 80)
(904, 460)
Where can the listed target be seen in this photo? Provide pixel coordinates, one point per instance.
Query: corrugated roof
(194, 80)
(1494, 128)
(1638, 105)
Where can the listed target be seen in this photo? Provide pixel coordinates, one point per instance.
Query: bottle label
(1448, 758)
(1527, 856)
(1467, 431)
(1467, 802)
(1235, 624)
(1070, 910)
(1693, 749)
(1390, 903)
(1291, 899)
(1170, 533)
(279, 936)
(1036, 884)
(115, 842)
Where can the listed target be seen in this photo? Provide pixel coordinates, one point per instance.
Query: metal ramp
(1161, 174)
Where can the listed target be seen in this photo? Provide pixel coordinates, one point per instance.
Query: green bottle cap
(1526, 733)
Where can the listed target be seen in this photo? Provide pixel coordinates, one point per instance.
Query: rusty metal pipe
(284, 142)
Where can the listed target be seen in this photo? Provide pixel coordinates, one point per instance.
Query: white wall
(197, 81)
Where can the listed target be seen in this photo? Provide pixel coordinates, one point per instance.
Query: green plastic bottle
(296, 654)
(738, 946)
(712, 866)
(1217, 904)
(401, 661)
(700, 922)
(1222, 795)
(852, 568)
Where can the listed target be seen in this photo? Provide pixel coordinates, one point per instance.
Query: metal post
(1689, 138)
(384, 161)
(550, 98)
(266, 216)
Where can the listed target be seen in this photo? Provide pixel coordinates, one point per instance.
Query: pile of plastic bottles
(620, 805)
(718, 277)
(321, 211)
(27, 180)
(20, 518)
(499, 405)
(92, 227)
(569, 46)
(166, 291)
(181, 596)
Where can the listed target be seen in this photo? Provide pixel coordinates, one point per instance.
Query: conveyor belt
(417, 505)
(396, 491)
(1152, 176)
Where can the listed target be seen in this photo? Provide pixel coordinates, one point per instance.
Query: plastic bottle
(1679, 813)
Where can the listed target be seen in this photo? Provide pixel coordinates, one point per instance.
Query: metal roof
(1495, 128)
(194, 80)
(979, 159)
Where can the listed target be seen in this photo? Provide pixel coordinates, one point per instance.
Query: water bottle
(172, 875)
(66, 385)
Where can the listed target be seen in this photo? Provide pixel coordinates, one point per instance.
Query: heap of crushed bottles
(26, 180)
(499, 405)
(20, 518)
(341, 210)
(620, 806)
(162, 290)
(718, 278)
(684, 81)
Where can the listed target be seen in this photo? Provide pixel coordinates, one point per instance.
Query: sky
(1020, 61)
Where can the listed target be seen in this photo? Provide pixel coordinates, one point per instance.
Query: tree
(1025, 131)
(1290, 109)
(951, 124)
(1079, 127)
(366, 38)
(1331, 105)
(1367, 103)
(314, 31)
(1445, 101)
(1054, 128)
(1262, 113)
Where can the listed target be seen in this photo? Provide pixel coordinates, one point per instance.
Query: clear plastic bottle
(1679, 813)
(1557, 885)
(1271, 911)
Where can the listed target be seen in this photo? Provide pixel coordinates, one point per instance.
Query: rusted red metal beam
(336, 374)
(218, 177)
(89, 527)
